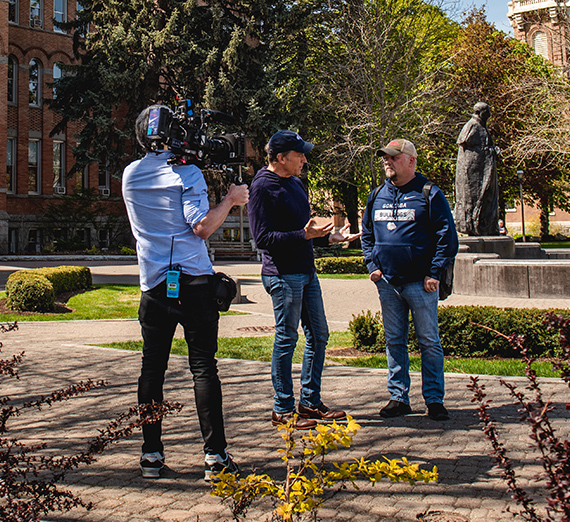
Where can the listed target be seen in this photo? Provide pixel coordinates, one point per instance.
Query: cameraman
(170, 218)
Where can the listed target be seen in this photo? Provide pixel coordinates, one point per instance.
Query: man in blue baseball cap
(281, 225)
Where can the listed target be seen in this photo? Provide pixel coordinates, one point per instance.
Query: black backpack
(446, 281)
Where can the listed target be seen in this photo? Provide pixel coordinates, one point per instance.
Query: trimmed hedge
(341, 265)
(34, 290)
(462, 336)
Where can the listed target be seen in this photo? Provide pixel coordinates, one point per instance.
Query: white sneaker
(217, 463)
(152, 464)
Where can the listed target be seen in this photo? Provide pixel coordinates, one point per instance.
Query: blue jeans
(397, 302)
(297, 297)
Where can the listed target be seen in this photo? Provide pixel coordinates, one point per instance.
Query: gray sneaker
(217, 463)
(152, 464)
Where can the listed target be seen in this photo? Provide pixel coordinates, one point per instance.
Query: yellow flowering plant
(307, 478)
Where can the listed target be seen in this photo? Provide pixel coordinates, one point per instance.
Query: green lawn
(559, 244)
(259, 349)
(121, 302)
(103, 302)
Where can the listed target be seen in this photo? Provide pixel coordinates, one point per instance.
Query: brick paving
(62, 353)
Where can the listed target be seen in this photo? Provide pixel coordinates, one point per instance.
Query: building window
(36, 13)
(58, 167)
(12, 80)
(34, 241)
(83, 179)
(59, 13)
(34, 83)
(34, 167)
(57, 74)
(13, 8)
(13, 241)
(11, 166)
(78, 8)
(540, 44)
(104, 181)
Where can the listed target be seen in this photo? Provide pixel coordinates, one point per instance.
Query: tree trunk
(350, 203)
(544, 205)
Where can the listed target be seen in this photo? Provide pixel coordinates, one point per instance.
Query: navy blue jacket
(278, 211)
(404, 242)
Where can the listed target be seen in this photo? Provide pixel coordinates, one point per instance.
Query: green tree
(528, 100)
(138, 52)
(371, 65)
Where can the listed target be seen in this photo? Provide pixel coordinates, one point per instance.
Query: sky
(496, 12)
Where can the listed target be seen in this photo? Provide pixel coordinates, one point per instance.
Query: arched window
(57, 74)
(34, 83)
(12, 80)
(540, 44)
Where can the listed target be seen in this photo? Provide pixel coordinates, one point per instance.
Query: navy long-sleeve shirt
(278, 211)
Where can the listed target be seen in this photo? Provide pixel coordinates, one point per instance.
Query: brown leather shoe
(321, 412)
(300, 423)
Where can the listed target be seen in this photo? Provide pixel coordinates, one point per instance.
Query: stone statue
(476, 185)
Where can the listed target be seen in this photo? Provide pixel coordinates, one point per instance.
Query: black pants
(159, 315)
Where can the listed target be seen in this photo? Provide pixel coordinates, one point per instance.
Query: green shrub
(341, 265)
(128, 251)
(367, 332)
(467, 331)
(93, 251)
(33, 293)
(34, 290)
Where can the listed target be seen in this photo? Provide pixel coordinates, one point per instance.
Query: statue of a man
(476, 185)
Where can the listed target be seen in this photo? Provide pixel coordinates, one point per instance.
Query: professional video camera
(184, 133)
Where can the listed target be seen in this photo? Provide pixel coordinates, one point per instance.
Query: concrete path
(58, 354)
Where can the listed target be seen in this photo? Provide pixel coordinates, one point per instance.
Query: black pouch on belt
(224, 289)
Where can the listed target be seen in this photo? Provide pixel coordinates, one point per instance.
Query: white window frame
(34, 63)
(14, 7)
(12, 81)
(37, 13)
(11, 161)
(35, 188)
(60, 16)
(58, 167)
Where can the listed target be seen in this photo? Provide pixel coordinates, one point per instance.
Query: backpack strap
(370, 206)
(425, 191)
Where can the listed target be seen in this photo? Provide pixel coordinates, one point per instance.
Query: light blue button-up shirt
(164, 202)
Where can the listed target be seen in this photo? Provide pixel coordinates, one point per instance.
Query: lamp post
(520, 175)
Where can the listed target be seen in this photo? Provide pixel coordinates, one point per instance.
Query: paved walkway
(58, 354)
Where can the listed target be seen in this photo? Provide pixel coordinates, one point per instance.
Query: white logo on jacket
(401, 214)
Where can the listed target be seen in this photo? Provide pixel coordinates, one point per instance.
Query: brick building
(31, 53)
(543, 25)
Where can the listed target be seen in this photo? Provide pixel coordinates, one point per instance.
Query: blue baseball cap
(286, 140)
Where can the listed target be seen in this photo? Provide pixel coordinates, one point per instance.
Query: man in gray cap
(281, 225)
(408, 240)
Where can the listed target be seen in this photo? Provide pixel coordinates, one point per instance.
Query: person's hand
(343, 235)
(313, 230)
(238, 194)
(430, 284)
(376, 276)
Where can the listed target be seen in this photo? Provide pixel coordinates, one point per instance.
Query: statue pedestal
(494, 266)
(504, 246)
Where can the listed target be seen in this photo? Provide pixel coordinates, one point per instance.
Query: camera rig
(185, 135)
